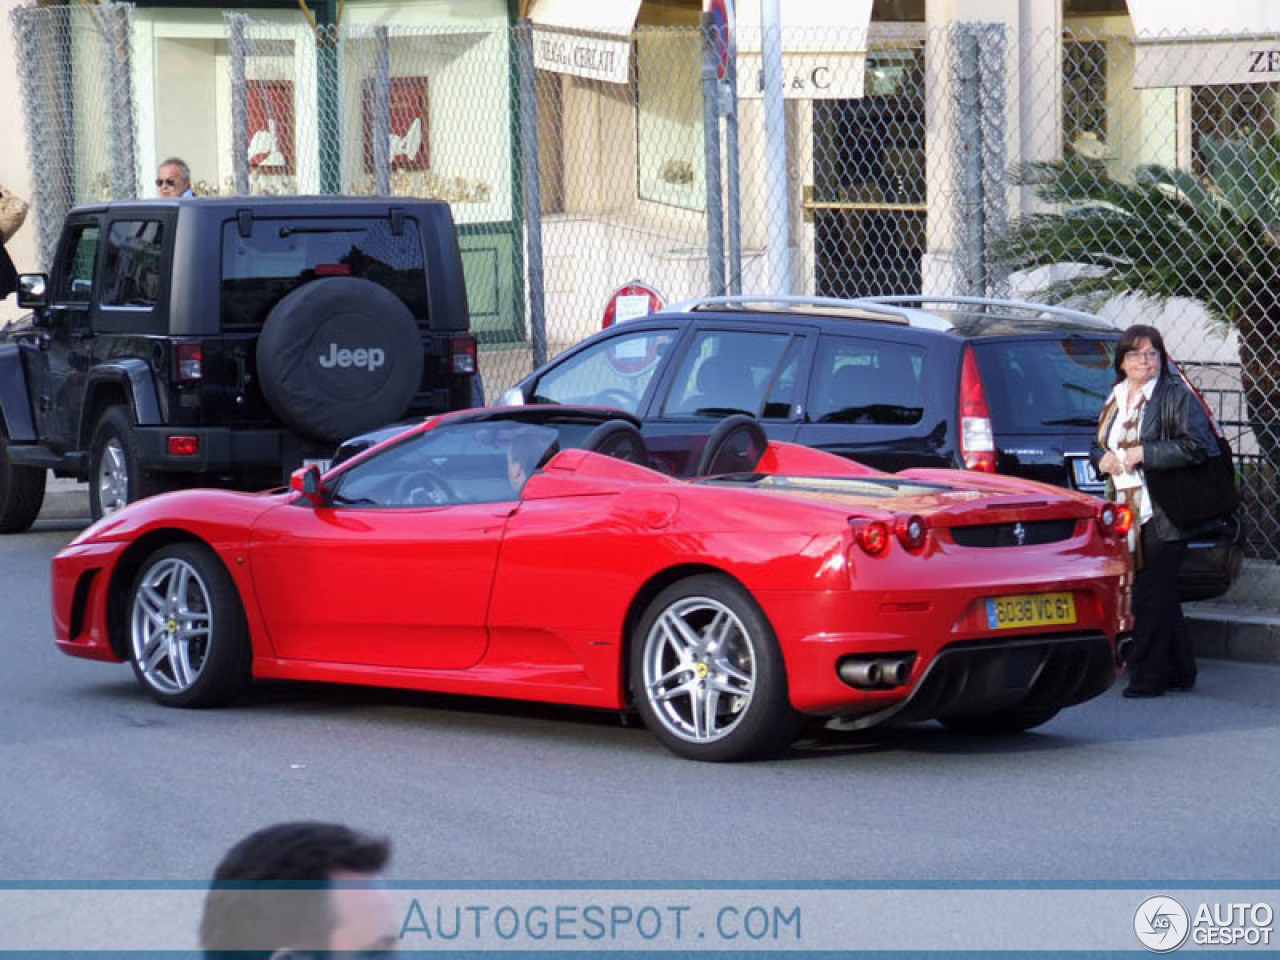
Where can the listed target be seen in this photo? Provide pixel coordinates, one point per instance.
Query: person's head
(528, 449)
(298, 890)
(173, 179)
(1140, 354)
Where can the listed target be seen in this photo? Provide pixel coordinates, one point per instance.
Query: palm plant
(1169, 234)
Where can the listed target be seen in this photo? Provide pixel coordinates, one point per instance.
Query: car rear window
(1036, 383)
(282, 254)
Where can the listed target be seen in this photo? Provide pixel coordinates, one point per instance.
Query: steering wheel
(422, 488)
(615, 397)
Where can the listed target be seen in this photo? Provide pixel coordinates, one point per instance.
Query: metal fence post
(969, 180)
(382, 112)
(532, 192)
(116, 40)
(236, 24)
(711, 155)
(994, 108)
(732, 167)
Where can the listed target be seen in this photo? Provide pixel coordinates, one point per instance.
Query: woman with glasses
(1152, 422)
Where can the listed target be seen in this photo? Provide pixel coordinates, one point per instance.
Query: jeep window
(732, 371)
(76, 283)
(280, 255)
(614, 372)
(868, 381)
(1034, 383)
(131, 264)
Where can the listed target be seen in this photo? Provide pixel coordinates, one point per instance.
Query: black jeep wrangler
(224, 341)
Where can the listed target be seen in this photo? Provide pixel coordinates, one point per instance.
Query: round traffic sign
(631, 300)
(722, 11)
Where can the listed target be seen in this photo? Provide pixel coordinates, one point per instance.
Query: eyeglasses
(167, 182)
(1143, 354)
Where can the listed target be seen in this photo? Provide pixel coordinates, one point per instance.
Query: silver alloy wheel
(171, 622)
(699, 669)
(113, 477)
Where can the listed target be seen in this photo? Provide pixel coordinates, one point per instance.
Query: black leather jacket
(1175, 433)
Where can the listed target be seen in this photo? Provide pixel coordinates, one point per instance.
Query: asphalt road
(97, 782)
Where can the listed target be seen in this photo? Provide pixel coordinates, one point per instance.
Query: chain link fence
(1082, 167)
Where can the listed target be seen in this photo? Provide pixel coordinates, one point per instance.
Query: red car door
(392, 587)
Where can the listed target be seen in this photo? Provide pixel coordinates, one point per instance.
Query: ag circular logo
(1161, 924)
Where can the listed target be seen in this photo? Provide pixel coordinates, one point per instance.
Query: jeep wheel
(339, 356)
(115, 479)
(21, 493)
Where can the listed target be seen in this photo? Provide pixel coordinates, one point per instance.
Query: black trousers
(1161, 653)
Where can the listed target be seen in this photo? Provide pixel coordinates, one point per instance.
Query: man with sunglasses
(298, 891)
(173, 179)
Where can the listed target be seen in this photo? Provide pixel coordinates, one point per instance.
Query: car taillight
(977, 437)
(871, 535)
(188, 361)
(911, 531)
(1114, 519)
(462, 353)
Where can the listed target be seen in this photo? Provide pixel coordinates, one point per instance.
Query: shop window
(1084, 99)
(669, 145)
(1241, 113)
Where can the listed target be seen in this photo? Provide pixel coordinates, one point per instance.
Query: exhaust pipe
(861, 673)
(894, 673)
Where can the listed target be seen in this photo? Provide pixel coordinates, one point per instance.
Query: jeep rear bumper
(224, 450)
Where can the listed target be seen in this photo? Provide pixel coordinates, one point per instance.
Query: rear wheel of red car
(707, 674)
(187, 637)
(1005, 721)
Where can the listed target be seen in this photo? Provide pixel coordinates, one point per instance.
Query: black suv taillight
(462, 353)
(188, 361)
(977, 436)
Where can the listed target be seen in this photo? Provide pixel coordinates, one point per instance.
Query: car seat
(735, 446)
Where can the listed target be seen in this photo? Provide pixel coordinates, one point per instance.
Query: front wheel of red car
(707, 675)
(187, 637)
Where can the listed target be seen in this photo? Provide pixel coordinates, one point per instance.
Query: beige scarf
(1129, 438)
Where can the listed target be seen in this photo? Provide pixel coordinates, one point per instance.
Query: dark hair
(295, 860)
(1129, 342)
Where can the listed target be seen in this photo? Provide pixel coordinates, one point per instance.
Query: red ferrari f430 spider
(534, 553)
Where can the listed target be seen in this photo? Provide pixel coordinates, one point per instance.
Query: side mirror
(307, 481)
(512, 397)
(33, 290)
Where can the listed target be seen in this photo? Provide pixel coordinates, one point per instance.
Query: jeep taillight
(188, 361)
(462, 353)
(977, 437)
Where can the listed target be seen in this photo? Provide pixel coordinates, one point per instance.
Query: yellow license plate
(1030, 610)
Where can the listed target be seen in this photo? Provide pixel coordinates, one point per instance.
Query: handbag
(13, 213)
(1194, 497)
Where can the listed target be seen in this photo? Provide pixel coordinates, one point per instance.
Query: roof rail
(866, 305)
(920, 303)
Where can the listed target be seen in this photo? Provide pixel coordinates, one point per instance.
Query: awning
(1193, 43)
(824, 48)
(584, 38)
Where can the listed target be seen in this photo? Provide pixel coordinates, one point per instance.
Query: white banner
(594, 57)
(1202, 63)
(806, 76)
(835, 921)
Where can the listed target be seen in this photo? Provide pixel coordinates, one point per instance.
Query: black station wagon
(970, 383)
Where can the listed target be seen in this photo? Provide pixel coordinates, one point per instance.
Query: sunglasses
(167, 182)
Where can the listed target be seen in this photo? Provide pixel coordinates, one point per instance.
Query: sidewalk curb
(65, 500)
(1230, 635)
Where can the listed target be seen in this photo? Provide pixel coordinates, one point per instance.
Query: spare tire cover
(339, 356)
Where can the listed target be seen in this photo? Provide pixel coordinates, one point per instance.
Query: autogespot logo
(1161, 924)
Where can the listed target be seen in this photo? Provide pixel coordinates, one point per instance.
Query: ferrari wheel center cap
(172, 625)
(701, 670)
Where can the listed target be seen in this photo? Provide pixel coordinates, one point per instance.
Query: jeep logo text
(370, 359)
